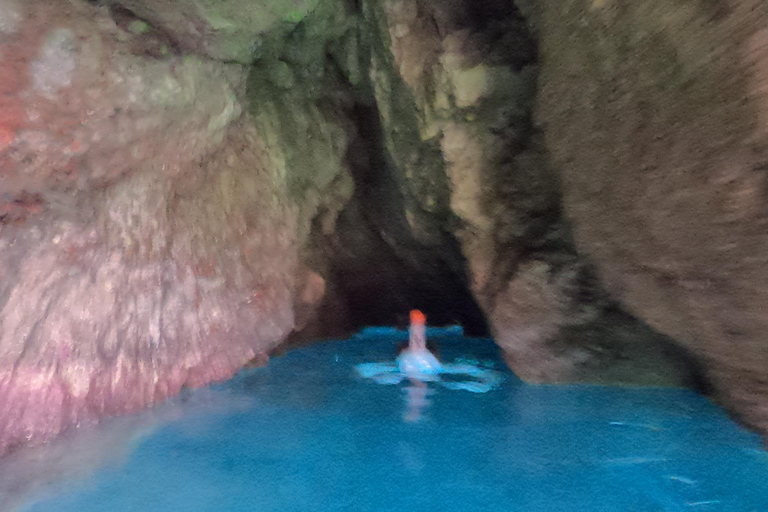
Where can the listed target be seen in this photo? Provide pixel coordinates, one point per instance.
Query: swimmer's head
(418, 318)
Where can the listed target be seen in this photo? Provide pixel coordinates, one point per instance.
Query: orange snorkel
(418, 318)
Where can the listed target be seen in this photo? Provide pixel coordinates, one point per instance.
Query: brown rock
(654, 113)
(471, 69)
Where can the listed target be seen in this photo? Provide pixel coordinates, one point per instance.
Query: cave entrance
(382, 269)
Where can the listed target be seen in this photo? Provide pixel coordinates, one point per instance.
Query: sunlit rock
(145, 242)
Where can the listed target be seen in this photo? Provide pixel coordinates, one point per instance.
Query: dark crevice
(498, 31)
(383, 270)
(153, 42)
(354, 6)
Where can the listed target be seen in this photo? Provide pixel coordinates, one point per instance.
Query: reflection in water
(33, 473)
(417, 400)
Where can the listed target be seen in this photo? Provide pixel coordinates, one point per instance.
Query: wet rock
(554, 329)
(145, 243)
(299, 101)
(471, 72)
(229, 30)
(167, 218)
(661, 144)
(360, 228)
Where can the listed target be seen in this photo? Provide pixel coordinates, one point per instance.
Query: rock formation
(655, 118)
(146, 243)
(186, 185)
(470, 70)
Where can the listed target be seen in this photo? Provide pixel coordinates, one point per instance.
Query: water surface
(307, 433)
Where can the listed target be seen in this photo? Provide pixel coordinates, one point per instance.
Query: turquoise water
(309, 434)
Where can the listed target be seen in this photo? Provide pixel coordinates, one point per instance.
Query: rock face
(470, 71)
(145, 242)
(380, 251)
(655, 115)
(169, 214)
(227, 30)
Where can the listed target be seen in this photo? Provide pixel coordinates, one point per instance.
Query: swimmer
(417, 362)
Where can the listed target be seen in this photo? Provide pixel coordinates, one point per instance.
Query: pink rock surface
(144, 243)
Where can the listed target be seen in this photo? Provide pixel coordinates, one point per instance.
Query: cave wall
(231, 31)
(169, 214)
(299, 98)
(655, 116)
(378, 251)
(146, 243)
(468, 75)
